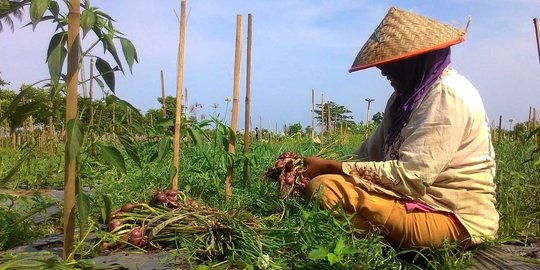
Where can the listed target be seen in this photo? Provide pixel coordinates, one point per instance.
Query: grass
(289, 232)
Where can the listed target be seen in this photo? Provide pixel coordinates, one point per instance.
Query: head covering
(401, 35)
(416, 75)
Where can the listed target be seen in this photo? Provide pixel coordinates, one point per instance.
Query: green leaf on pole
(88, 19)
(109, 46)
(100, 83)
(74, 138)
(14, 169)
(130, 53)
(83, 207)
(21, 113)
(54, 8)
(37, 9)
(106, 209)
(56, 53)
(106, 72)
(124, 105)
(131, 147)
(164, 147)
(112, 155)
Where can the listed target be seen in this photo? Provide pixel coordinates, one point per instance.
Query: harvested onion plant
(288, 171)
(172, 220)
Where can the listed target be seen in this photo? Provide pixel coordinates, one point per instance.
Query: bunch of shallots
(288, 171)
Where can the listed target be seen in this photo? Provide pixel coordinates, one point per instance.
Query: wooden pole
(529, 119)
(369, 100)
(179, 82)
(322, 117)
(247, 116)
(312, 114)
(499, 129)
(537, 30)
(91, 91)
(329, 122)
(163, 97)
(51, 128)
(234, 116)
(71, 114)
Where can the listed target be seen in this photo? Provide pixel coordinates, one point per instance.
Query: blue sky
(298, 45)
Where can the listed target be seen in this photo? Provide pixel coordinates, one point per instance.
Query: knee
(313, 187)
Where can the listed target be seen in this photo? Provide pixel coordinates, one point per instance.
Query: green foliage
(339, 115)
(17, 227)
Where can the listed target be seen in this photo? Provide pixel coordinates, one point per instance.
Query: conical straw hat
(402, 34)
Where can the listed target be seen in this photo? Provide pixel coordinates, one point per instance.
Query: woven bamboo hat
(401, 35)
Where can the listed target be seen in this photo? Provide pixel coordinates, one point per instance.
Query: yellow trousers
(387, 215)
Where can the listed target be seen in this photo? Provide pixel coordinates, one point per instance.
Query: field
(195, 187)
(265, 231)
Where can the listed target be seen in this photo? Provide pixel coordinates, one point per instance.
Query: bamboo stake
(71, 113)
(529, 119)
(163, 97)
(329, 122)
(312, 114)
(322, 117)
(499, 130)
(83, 79)
(247, 116)
(234, 116)
(52, 138)
(113, 120)
(179, 82)
(91, 91)
(537, 30)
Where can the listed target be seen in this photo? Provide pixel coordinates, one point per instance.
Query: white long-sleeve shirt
(443, 157)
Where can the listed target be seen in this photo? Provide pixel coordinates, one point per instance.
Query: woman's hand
(315, 166)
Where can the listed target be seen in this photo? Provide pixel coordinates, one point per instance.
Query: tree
(339, 115)
(295, 128)
(377, 118)
(11, 8)
(2, 82)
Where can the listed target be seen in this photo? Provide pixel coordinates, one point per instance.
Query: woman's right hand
(315, 166)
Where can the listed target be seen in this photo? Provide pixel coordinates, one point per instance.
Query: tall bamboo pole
(329, 122)
(71, 113)
(91, 90)
(312, 114)
(51, 128)
(247, 116)
(322, 117)
(234, 116)
(179, 82)
(537, 30)
(163, 97)
(529, 119)
(369, 100)
(499, 129)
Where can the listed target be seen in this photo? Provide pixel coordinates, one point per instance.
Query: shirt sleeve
(430, 139)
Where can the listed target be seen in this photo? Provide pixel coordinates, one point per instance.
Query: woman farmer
(426, 174)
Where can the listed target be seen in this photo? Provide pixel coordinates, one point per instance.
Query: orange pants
(387, 215)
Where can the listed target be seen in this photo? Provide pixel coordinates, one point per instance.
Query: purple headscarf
(411, 78)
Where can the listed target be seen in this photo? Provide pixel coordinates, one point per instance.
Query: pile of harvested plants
(172, 220)
(288, 171)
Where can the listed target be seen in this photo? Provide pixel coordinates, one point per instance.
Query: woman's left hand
(315, 166)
